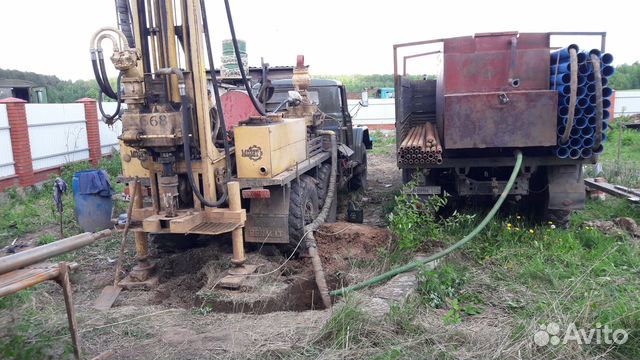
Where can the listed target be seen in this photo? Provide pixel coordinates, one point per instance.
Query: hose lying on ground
(410, 266)
(322, 216)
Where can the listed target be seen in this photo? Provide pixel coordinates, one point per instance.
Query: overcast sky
(336, 36)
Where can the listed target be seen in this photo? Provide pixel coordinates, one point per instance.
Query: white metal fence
(57, 133)
(6, 152)
(627, 102)
(109, 134)
(379, 112)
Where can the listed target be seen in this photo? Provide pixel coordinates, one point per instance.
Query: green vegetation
(58, 91)
(621, 157)
(629, 143)
(23, 214)
(30, 336)
(355, 83)
(66, 91)
(383, 143)
(626, 77)
(22, 343)
(518, 273)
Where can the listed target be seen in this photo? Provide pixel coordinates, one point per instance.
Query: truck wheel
(303, 209)
(324, 173)
(359, 179)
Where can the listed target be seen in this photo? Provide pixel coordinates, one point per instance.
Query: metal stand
(63, 281)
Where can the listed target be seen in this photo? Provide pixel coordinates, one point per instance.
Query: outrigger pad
(237, 278)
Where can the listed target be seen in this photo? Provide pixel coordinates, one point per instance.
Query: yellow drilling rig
(271, 179)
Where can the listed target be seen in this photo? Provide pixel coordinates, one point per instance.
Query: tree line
(58, 91)
(65, 91)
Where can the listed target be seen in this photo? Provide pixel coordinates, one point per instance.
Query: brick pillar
(20, 140)
(93, 129)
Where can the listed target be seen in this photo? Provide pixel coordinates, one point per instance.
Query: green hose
(410, 266)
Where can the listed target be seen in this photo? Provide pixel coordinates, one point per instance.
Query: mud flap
(566, 188)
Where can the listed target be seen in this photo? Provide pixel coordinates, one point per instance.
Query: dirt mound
(616, 226)
(341, 243)
(190, 278)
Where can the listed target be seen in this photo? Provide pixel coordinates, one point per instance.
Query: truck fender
(361, 141)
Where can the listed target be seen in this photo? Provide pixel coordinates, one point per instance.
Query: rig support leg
(238, 259)
(143, 269)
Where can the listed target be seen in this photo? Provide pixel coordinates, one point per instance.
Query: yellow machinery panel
(131, 166)
(264, 151)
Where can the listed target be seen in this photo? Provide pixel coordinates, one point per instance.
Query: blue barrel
(93, 210)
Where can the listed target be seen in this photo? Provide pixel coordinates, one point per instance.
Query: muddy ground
(186, 318)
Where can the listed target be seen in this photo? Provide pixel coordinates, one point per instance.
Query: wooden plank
(152, 224)
(142, 213)
(236, 277)
(183, 223)
(225, 215)
(612, 189)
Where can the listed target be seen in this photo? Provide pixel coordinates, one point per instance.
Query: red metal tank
(236, 106)
(496, 92)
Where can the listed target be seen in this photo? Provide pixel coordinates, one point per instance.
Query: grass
(490, 299)
(383, 142)
(34, 332)
(621, 157)
(33, 325)
(516, 274)
(35, 209)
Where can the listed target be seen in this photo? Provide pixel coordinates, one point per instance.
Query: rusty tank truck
(495, 93)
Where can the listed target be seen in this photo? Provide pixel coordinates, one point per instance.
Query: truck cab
(353, 142)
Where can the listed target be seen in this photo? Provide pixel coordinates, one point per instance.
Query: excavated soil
(189, 278)
(341, 243)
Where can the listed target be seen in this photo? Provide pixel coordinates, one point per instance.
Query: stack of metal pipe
(421, 146)
(581, 141)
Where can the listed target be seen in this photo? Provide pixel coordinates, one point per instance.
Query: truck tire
(303, 209)
(324, 173)
(359, 179)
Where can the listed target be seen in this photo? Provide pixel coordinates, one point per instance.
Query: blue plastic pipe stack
(581, 141)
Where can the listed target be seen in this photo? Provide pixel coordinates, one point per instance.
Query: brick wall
(21, 146)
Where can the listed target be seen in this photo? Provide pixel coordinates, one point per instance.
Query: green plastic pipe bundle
(410, 266)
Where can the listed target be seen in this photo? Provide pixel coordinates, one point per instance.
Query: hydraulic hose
(239, 60)
(111, 118)
(108, 90)
(222, 126)
(573, 96)
(410, 266)
(216, 125)
(186, 140)
(96, 71)
(597, 74)
(322, 216)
